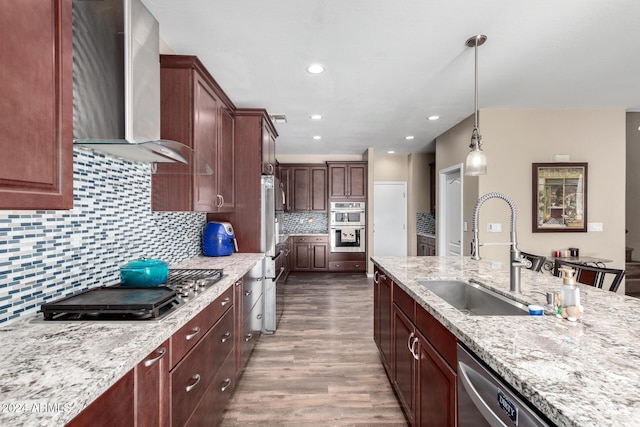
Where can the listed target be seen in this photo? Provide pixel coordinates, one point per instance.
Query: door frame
(442, 198)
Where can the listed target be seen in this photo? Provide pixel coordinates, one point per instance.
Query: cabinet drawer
(192, 332)
(311, 239)
(347, 266)
(404, 301)
(440, 337)
(210, 409)
(251, 292)
(251, 330)
(192, 376)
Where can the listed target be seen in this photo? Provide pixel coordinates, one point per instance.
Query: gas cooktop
(133, 303)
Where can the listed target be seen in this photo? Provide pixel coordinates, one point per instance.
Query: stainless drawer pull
(383, 276)
(248, 292)
(225, 301)
(226, 384)
(155, 360)
(259, 316)
(248, 337)
(191, 336)
(225, 337)
(191, 386)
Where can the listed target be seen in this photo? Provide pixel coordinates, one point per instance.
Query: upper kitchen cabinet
(283, 174)
(308, 188)
(196, 112)
(255, 129)
(347, 180)
(36, 112)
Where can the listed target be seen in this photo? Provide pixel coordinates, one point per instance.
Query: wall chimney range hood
(116, 85)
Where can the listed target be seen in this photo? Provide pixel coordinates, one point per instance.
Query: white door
(390, 219)
(450, 226)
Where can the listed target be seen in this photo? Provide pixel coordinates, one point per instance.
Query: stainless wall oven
(347, 227)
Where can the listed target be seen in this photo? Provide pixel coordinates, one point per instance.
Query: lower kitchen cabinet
(426, 246)
(347, 262)
(115, 407)
(151, 377)
(423, 360)
(310, 253)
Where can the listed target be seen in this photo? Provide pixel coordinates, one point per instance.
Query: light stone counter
(51, 370)
(579, 374)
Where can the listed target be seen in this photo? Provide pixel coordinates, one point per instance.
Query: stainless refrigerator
(273, 291)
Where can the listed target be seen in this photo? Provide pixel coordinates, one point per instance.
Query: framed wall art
(559, 197)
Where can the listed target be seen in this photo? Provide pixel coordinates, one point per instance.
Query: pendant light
(476, 163)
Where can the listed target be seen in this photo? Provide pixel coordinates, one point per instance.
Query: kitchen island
(577, 374)
(52, 370)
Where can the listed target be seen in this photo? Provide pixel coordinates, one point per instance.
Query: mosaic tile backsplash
(46, 255)
(426, 223)
(305, 223)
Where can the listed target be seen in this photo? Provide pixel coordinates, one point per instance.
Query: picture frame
(559, 197)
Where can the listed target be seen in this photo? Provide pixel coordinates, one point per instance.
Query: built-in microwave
(347, 214)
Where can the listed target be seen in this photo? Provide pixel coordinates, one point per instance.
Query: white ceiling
(391, 64)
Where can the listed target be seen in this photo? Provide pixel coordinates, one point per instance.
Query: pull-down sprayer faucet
(516, 261)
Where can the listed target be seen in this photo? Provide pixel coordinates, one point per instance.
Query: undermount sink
(474, 299)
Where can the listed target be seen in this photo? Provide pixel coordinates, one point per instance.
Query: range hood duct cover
(116, 85)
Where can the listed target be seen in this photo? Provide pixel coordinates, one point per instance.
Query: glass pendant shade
(476, 163)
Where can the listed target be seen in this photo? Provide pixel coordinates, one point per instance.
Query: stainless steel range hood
(116, 85)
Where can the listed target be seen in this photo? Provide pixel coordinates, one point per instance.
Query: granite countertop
(419, 233)
(52, 370)
(578, 374)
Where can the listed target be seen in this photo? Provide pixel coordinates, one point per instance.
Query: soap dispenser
(571, 307)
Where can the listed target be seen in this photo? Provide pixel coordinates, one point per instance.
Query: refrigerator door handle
(279, 274)
(277, 256)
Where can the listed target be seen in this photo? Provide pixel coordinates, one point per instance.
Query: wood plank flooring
(321, 367)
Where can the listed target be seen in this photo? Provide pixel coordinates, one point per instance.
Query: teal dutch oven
(144, 272)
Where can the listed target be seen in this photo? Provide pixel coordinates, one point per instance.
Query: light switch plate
(594, 226)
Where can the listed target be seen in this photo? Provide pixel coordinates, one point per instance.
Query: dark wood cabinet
(421, 355)
(285, 187)
(196, 112)
(36, 112)
(310, 253)
(115, 407)
(347, 262)
(249, 128)
(151, 379)
(432, 186)
(308, 188)
(426, 246)
(268, 148)
(347, 180)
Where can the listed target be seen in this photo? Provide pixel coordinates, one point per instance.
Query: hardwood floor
(321, 367)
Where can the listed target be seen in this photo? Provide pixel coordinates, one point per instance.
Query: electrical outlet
(494, 227)
(594, 226)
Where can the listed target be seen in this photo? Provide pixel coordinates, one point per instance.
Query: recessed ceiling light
(390, 152)
(317, 137)
(433, 117)
(315, 117)
(409, 137)
(316, 68)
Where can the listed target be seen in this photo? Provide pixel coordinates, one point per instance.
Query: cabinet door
(376, 307)
(152, 408)
(36, 113)
(337, 180)
(319, 257)
(357, 188)
(225, 170)
(268, 149)
(205, 137)
(404, 366)
(301, 189)
(385, 319)
(301, 259)
(318, 184)
(115, 407)
(436, 389)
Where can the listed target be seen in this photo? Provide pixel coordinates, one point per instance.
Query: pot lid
(145, 262)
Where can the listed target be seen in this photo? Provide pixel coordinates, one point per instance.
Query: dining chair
(537, 261)
(599, 277)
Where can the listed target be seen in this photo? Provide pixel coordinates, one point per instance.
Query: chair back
(600, 277)
(537, 261)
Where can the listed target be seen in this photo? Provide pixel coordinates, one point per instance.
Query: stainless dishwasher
(484, 400)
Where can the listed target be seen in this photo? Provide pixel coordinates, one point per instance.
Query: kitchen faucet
(516, 261)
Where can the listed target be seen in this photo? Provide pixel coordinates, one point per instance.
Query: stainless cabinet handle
(383, 276)
(190, 387)
(220, 199)
(191, 336)
(415, 355)
(248, 292)
(409, 342)
(225, 384)
(239, 283)
(270, 167)
(225, 337)
(248, 337)
(155, 360)
(375, 277)
(225, 301)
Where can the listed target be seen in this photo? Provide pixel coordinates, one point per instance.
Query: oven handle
(479, 403)
(279, 274)
(277, 256)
